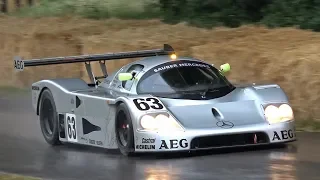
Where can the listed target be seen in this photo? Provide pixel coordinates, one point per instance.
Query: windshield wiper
(204, 92)
(201, 92)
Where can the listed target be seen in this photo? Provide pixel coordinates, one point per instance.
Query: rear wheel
(124, 131)
(49, 118)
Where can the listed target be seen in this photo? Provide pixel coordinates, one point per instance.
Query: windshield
(184, 80)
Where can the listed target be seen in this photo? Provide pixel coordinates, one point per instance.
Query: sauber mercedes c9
(159, 103)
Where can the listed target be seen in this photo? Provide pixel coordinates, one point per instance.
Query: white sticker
(18, 64)
(71, 127)
(145, 104)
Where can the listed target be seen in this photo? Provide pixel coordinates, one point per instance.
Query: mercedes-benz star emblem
(225, 124)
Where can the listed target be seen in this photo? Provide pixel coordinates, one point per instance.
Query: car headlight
(276, 114)
(159, 122)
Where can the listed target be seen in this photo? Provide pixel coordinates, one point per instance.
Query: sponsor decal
(174, 144)
(91, 141)
(166, 67)
(84, 139)
(283, 135)
(145, 146)
(18, 64)
(99, 143)
(225, 124)
(146, 141)
(35, 88)
(94, 142)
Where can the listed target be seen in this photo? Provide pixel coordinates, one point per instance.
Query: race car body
(159, 103)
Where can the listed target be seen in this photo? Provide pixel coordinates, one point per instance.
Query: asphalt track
(23, 151)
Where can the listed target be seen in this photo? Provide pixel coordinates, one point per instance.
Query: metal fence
(12, 5)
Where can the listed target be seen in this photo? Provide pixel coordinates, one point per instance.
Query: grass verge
(12, 90)
(308, 126)
(5, 176)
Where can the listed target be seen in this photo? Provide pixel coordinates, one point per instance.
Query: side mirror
(224, 68)
(125, 76)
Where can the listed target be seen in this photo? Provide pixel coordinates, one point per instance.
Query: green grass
(12, 90)
(308, 125)
(5, 176)
(94, 9)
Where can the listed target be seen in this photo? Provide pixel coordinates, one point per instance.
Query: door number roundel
(71, 127)
(145, 104)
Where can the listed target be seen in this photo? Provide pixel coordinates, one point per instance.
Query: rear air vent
(61, 126)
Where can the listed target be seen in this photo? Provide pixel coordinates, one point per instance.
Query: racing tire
(124, 130)
(49, 118)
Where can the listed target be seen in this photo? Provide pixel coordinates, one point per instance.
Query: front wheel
(124, 130)
(49, 118)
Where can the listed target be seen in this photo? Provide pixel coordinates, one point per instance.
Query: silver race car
(159, 103)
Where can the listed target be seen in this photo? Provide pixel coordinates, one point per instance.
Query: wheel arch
(126, 102)
(127, 149)
(119, 102)
(39, 98)
(61, 90)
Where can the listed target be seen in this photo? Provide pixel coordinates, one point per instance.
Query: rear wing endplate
(20, 64)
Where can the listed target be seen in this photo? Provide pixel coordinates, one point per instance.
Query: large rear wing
(20, 64)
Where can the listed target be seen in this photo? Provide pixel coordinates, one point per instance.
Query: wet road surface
(24, 151)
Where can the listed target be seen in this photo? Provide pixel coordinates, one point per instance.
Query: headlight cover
(278, 114)
(159, 122)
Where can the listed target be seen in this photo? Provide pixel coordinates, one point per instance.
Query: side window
(134, 70)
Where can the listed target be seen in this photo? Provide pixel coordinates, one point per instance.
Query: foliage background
(304, 14)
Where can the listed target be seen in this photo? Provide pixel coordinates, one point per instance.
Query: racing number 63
(72, 128)
(146, 104)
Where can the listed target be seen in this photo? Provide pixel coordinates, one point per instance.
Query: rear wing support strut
(20, 64)
(90, 73)
(94, 79)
